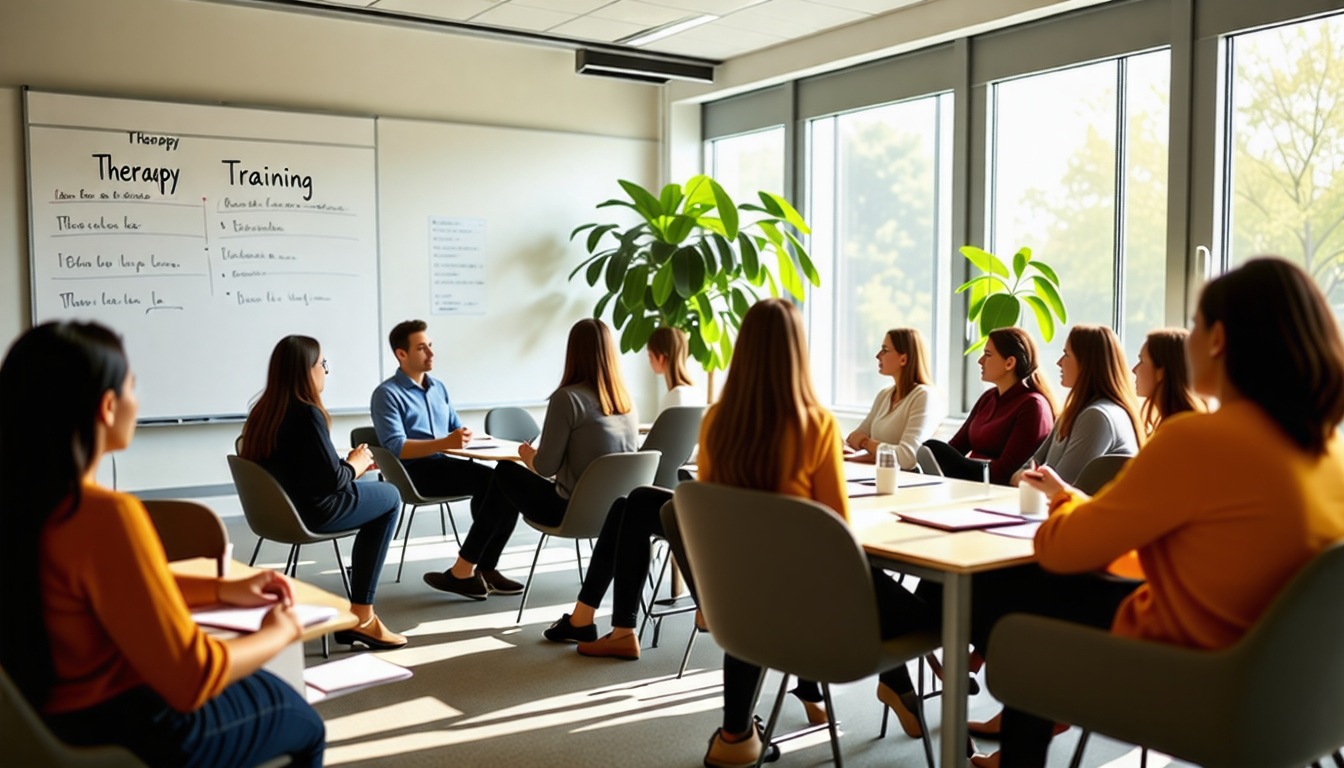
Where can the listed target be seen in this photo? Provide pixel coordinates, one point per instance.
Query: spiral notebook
(961, 519)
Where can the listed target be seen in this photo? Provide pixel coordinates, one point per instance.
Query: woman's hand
(360, 459)
(527, 453)
(856, 440)
(1045, 480)
(285, 620)
(261, 588)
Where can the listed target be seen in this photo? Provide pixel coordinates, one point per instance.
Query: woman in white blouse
(906, 413)
(667, 357)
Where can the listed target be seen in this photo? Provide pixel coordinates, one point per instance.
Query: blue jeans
(372, 508)
(254, 720)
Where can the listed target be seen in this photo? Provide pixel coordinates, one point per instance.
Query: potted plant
(693, 263)
(996, 304)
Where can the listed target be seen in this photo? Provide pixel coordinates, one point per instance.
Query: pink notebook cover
(960, 519)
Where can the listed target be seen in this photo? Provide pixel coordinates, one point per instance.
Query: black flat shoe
(564, 632)
(472, 587)
(352, 636)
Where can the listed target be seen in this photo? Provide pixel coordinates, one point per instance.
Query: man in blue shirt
(415, 420)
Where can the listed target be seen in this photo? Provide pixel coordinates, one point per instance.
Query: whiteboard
(204, 234)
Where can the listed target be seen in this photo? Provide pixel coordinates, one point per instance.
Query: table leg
(956, 666)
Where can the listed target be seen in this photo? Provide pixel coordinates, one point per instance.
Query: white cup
(1032, 501)
(887, 468)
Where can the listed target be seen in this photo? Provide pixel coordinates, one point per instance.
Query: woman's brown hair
(1173, 393)
(908, 342)
(1283, 349)
(591, 359)
(289, 378)
(1102, 375)
(670, 344)
(766, 401)
(1016, 343)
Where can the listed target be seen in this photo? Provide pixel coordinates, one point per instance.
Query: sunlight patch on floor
(425, 709)
(417, 655)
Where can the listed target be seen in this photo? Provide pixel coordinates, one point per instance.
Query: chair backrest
(394, 472)
(364, 436)
(926, 463)
(26, 739)
(605, 480)
(188, 529)
(674, 434)
(748, 550)
(268, 509)
(1099, 471)
(511, 424)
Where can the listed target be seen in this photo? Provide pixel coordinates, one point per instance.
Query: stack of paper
(249, 619)
(353, 672)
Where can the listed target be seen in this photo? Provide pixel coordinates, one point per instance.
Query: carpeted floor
(489, 692)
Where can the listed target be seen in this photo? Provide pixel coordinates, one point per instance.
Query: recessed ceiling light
(666, 30)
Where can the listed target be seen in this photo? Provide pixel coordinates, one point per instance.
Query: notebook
(960, 519)
(249, 619)
(353, 672)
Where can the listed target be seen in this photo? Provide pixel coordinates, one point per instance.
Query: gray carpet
(487, 691)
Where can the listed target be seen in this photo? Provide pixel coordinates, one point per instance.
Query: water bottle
(886, 468)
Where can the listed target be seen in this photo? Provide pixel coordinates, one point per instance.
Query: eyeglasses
(325, 367)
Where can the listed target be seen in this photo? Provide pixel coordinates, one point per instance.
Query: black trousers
(441, 475)
(513, 489)
(623, 551)
(954, 462)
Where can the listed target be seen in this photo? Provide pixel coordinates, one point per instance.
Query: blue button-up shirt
(403, 411)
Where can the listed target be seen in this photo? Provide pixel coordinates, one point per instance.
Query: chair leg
(326, 647)
(686, 657)
(1339, 758)
(832, 726)
(401, 516)
(578, 558)
(657, 585)
(443, 521)
(446, 510)
(255, 551)
(527, 587)
(345, 577)
(774, 715)
(1143, 758)
(1078, 751)
(404, 543)
(292, 564)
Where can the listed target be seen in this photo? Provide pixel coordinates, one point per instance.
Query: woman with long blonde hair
(1162, 378)
(908, 412)
(668, 354)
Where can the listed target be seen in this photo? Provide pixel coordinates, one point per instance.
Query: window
(880, 212)
(1066, 146)
(1286, 150)
(750, 163)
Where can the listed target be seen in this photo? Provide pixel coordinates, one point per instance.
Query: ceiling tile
(590, 28)
(701, 48)
(753, 21)
(811, 14)
(868, 6)
(566, 6)
(452, 10)
(716, 7)
(643, 14)
(521, 17)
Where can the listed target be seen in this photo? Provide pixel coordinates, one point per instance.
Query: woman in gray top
(590, 415)
(1101, 414)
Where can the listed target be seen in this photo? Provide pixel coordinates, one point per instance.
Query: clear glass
(1287, 149)
(750, 163)
(879, 187)
(1147, 116)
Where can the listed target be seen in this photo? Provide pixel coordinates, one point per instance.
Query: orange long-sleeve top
(814, 463)
(1223, 509)
(116, 616)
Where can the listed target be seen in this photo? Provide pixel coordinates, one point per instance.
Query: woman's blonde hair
(1173, 394)
(908, 342)
(766, 401)
(670, 344)
(1102, 374)
(591, 359)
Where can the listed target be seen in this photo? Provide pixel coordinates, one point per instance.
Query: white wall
(195, 51)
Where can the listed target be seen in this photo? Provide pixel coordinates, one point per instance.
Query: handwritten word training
(251, 177)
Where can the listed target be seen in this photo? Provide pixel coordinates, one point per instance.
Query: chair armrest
(1162, 696)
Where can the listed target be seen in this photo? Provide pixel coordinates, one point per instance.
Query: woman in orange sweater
(107, 651)
(1260, 483)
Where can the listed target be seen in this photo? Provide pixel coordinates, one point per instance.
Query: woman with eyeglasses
(289, 433)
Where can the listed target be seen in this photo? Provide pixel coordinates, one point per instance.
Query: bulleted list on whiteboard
(457, 256)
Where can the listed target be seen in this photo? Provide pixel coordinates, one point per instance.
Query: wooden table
(499, 450)
(950, 558)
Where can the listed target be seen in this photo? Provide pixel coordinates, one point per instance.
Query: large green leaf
(709, 324)
(670, 198)
(602, 305)
(1046, 290)
(805, 263)
(647, 205)
(977, 346)
(1001, 311)
(788, 276)
(580, 228)
(772, 233)
(1047, 271)
(636, 280)
(977, 305)
(986, 261)
(727, 209)
(619, 314)
(595, 236)
(770, 279)
(1020, 260)
(727, 257)
(660, 252)
(637, 333)
(699, 193)
(986, 282)
(711, 261)
(739, 302)
(1043, 317)
(621, 203)
(662, 283)
(595, 271)
(726, 347)
(688, 271)
(617, 267)
(780, 208)
(696, 345)
(679, 227)
(751, 260)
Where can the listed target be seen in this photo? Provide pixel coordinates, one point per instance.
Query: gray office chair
(604, 481)
(744, 547)
(674, 434)
(1270, 701)
(188, 529)
(511, 424)
(394, 472)
(29, 742)
(1100, 471)
(926, 463)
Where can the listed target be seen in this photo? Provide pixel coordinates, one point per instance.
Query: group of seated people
(110, 654)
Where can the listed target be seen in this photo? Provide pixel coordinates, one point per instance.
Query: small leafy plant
(996, 304)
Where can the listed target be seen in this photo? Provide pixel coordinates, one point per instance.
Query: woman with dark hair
(1010, 421)
(1101, 413)
(99, 637)
(667, 357)
(288, 432)
(589, 415)
(1267, 347)
(906, 413)
(1162, 379)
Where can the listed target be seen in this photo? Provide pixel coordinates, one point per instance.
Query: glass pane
(1288, 149)
(750, 163)
(879, 170)
(1054, 187)
(1147, 87)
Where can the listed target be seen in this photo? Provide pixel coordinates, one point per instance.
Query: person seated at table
(1258, 483)
(1101, 412)
(415, 420)
(667, 357)
(99, 637)
(589, 415)
(288, 431)
(770, 432)
(1162, 379)
(1010, 421)
(908, 412)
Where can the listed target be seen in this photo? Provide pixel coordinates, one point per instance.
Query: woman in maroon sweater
(1010, 421)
